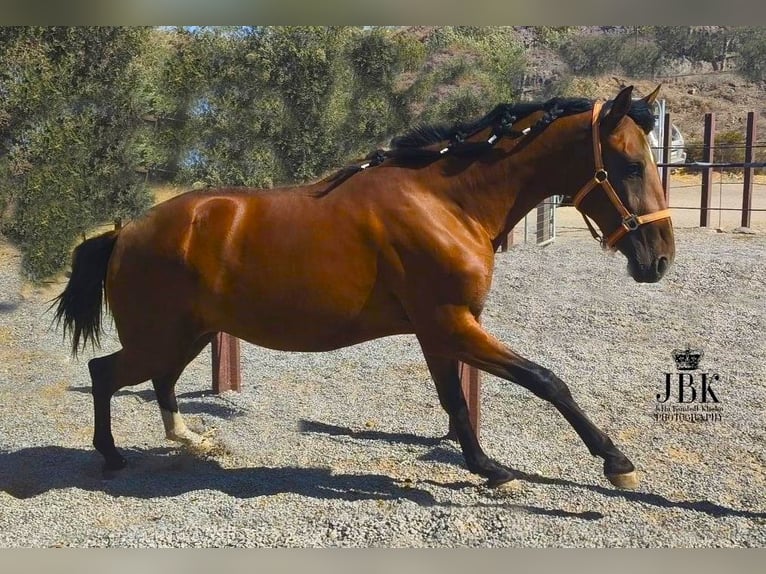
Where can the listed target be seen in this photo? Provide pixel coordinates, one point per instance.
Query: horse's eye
(634, 169)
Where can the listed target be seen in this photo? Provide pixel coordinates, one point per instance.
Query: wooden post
(226, 371)
(470, 384)
(747, 189)
(506, 241)
(707, 173)
(665, 170)
(470, 381)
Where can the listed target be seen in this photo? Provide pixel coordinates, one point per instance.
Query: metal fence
(707, 166)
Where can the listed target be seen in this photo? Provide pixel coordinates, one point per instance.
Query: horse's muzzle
(649, 273)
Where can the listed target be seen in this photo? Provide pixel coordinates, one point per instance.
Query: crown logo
(688, 359)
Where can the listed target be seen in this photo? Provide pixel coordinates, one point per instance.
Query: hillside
(688, 98)
(690, 88)
(689, 94)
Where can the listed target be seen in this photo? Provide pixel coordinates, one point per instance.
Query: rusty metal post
(470, 384)
(665, 170)
(470, 381)
(226, 371)
(707, 173)
(747, 188)
(506, 241)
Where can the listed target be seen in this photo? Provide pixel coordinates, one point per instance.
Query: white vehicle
(657, 137)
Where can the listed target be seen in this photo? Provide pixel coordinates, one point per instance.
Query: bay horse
(402, 243)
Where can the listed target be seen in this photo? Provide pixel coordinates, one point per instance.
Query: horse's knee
(548, 386)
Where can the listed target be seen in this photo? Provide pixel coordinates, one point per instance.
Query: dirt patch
(9, 255)
(167, 191)
(683, 455)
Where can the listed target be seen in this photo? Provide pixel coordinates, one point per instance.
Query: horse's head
(625, 197)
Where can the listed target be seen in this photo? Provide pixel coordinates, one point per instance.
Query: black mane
(425, 135)
(641, 113)
(410, 146)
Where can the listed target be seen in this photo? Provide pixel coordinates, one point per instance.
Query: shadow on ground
(449, 456)
(155, 473)
(8, 306)
(168, 472)
(191, 402)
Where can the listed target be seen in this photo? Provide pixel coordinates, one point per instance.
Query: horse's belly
(313, 316)
(310, 332)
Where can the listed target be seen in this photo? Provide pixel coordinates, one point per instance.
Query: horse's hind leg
(108, 375)
(445, 373)
(132, 365)
(164, 387)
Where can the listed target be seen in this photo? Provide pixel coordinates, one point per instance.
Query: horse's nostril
(662, 265)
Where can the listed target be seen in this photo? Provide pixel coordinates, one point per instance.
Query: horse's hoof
(113, 463)
(626, 481)
(500, 478)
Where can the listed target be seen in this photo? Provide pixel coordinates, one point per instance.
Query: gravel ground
(345, 448)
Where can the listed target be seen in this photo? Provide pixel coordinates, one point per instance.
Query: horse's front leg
(445, 373)
(461, 337)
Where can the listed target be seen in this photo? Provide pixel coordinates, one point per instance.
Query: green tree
(640, 56)
(68, 149)
(712, 44)
(471, 69)
(752, 53)
(592, 54)
(233, 113)
(287, 104)
(170, 80)
(379, 102)
(271, 106)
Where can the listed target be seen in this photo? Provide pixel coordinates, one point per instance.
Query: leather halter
(630, 221)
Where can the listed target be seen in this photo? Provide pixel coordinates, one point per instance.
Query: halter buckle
(601, 176)
(630, 222)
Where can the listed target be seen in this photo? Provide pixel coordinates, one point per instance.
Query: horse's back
(282, 269)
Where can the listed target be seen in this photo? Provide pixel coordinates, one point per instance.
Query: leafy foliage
(90, 115)
(752, 53)
(484, 65)
(592, 54)
(710, 44)
(68, 138)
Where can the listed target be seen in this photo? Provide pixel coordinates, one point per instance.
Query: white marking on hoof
(176, 430)
(627, 481)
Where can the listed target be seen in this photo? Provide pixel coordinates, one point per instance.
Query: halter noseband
(630, 221)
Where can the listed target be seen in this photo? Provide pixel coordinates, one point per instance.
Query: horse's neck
(500, 194)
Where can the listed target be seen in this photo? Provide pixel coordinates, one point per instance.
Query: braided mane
(411, 146)
(425, 135)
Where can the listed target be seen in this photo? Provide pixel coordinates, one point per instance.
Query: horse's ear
(620, 107)
(653, 96)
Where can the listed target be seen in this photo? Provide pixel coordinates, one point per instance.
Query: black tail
(79, 305)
